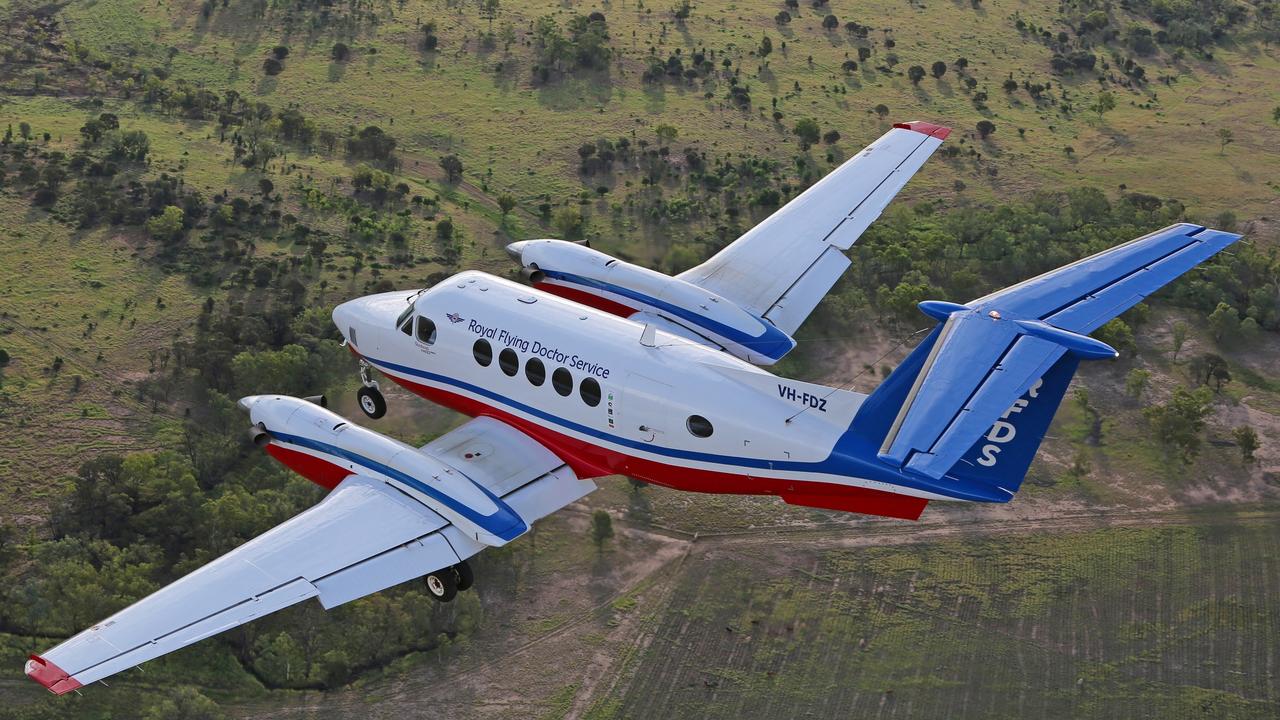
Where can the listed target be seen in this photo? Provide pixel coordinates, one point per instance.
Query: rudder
(1002, 456)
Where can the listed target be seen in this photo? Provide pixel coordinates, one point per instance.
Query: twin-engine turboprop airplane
(608, 368)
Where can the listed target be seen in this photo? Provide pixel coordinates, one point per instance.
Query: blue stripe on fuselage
(505, 523)
(852, 455)
(773, 343)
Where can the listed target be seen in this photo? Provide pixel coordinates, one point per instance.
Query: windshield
(404, 316)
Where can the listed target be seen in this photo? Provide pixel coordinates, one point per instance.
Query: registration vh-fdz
(600, 367)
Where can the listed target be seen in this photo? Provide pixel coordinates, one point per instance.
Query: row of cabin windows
(536, 372)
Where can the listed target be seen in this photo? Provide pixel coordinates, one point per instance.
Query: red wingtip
(50, 676)
(930, 129)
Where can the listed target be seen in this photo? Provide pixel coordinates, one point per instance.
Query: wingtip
(57, 680)
(938, 131)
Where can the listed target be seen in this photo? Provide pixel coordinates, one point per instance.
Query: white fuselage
(670, 410)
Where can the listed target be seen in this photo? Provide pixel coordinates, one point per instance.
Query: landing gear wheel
(465, 577)
(442, 585)
(372, 402)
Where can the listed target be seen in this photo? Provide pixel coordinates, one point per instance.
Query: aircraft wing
(993, 350)
(782, 267)
(365, 536)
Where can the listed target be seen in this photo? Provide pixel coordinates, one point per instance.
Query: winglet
(939, 131)
(51, 676)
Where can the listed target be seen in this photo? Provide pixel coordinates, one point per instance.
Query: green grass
(1096, 624)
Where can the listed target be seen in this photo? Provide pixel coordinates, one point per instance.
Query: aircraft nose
(344, 317)
(246, 403)
(516, 249)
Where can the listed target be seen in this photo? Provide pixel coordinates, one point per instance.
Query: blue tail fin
(1001, 457)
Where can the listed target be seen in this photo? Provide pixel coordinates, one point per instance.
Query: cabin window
(482, 352)
(535, 371)
(699, 426)
(590, 391)
(562, 381)
(509, 362)
(426, 331)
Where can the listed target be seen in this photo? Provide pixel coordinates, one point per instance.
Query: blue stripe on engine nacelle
(505, 523)
(773, 343)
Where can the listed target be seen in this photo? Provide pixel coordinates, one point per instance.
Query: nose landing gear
(371, 401)
(444, 584)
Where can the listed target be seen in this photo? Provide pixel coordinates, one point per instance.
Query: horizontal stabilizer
(992, 351)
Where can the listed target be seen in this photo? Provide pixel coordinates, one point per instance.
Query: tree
(766, 46)
(340, 52)
(1225, 138)
(272, 66)
(985, 128)
(452, 166)
(489, 11)
(1179, 338)
(1117, 334)
(831, 137)
(938, 69)
(266, 186)
(601, 528)
(830, 22)
(915, 74)
(168, 226)
(882, 110)
(1224, 323)
(1247, 440)
(506, 204)
(1210, 366)
(1275, 114)
(808, 131)
(782, 18)
(1104, 103)
(444, 229)
(280, 51)
(864, 53)
(568, 222)
(1135, 383)
(429, 40)
(4, 357)
(1178, 422)
(666, 134)
(184, 703)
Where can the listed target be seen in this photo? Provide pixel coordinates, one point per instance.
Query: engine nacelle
(593, 278)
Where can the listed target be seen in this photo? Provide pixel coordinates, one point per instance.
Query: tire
(466, 578)
(371, 402)
(442, 585)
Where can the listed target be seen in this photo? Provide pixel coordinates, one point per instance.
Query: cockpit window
(403, 323)
(426, 330)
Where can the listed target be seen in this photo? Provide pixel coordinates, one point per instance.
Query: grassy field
(1118, 623)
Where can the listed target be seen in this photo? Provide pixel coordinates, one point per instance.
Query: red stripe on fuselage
(590, 460)
(317, 470)
(587, 298)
